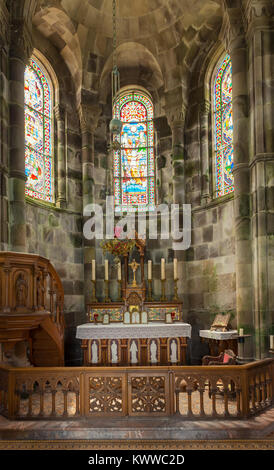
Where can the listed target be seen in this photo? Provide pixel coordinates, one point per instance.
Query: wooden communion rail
(198, 392)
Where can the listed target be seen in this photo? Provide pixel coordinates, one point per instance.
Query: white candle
(175, 267)
(149, 270)
(93, 271)
(241, 332)
(163, 274)
(119, 271)
(271, 341)
(106, 270)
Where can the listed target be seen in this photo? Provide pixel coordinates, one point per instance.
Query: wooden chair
(226, 358)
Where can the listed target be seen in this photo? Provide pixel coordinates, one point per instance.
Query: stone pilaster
(204, 134)
(176, 120)
(89, 117)
(20, 51)
(259, 17)
(61, 156)
(4, 122)
(234, 40)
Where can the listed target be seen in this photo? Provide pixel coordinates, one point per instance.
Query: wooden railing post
(82, 384)
(245, 393)
(171, 392)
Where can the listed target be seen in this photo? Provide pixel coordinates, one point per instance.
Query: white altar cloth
(122, 331)
(219, 335)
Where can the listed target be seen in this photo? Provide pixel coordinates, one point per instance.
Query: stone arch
(137, 65)
(55, 25)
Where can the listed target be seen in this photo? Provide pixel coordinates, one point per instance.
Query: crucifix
(134, 266)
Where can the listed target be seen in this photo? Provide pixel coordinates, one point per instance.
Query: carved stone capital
(20, 41)
(258, 13)
(4, 26)
(59, 112)
(89, 117)
(204, 107)
(232, 33)
(176, 116)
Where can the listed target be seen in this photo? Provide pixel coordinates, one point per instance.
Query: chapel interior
(148, 106)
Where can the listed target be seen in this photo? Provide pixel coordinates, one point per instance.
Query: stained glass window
(134, 165)
(223, 128)
(38, 133)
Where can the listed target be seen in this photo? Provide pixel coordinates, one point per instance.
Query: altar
(154, 343)
(134, 329)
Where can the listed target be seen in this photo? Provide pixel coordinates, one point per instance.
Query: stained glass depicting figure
(38, 133)
(134, 171)
(223, 128)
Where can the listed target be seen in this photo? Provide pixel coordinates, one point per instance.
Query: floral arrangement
(118, 247)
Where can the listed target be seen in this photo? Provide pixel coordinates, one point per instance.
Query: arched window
(134, 163)
(39, 132)
(223, 127)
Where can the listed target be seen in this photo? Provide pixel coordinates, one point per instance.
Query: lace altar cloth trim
(232, 334)
(121, 331)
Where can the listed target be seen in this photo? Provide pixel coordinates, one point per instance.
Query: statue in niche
(114, 352)
(21, 291)
(173, 347)
(40, 292)
(153, 352)
(133, 353)
(94, 352)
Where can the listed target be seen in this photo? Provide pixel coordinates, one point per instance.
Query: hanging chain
(114, 34)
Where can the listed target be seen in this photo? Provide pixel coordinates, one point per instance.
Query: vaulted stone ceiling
(159, 41)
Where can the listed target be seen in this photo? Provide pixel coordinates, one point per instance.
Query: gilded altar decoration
(134, 266)
(118, 247)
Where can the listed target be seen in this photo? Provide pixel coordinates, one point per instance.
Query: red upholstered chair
(226, 358)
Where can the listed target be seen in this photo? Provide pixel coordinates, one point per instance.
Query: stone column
(4, 122)
(204, 116)
(88, 121)
(61, 156)
(260, 37)
(20, 51)
(176, 120)
(236, 45)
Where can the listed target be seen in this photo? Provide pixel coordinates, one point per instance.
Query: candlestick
(241, 332)
(93, 298)
(163, 274)
(120, 298)
(106, 270)
(271, 341)
(163, 296)
(93, 270)
(107, 299)
(119, 271)
(175, 269)
(149, 270)
(175, 296)
(149, 295)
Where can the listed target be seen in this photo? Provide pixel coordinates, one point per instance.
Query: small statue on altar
(133, 353)
(173, 356)
(114, 352)
(21, 288)
(153, 352)
(134, 266)
(94, 351)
